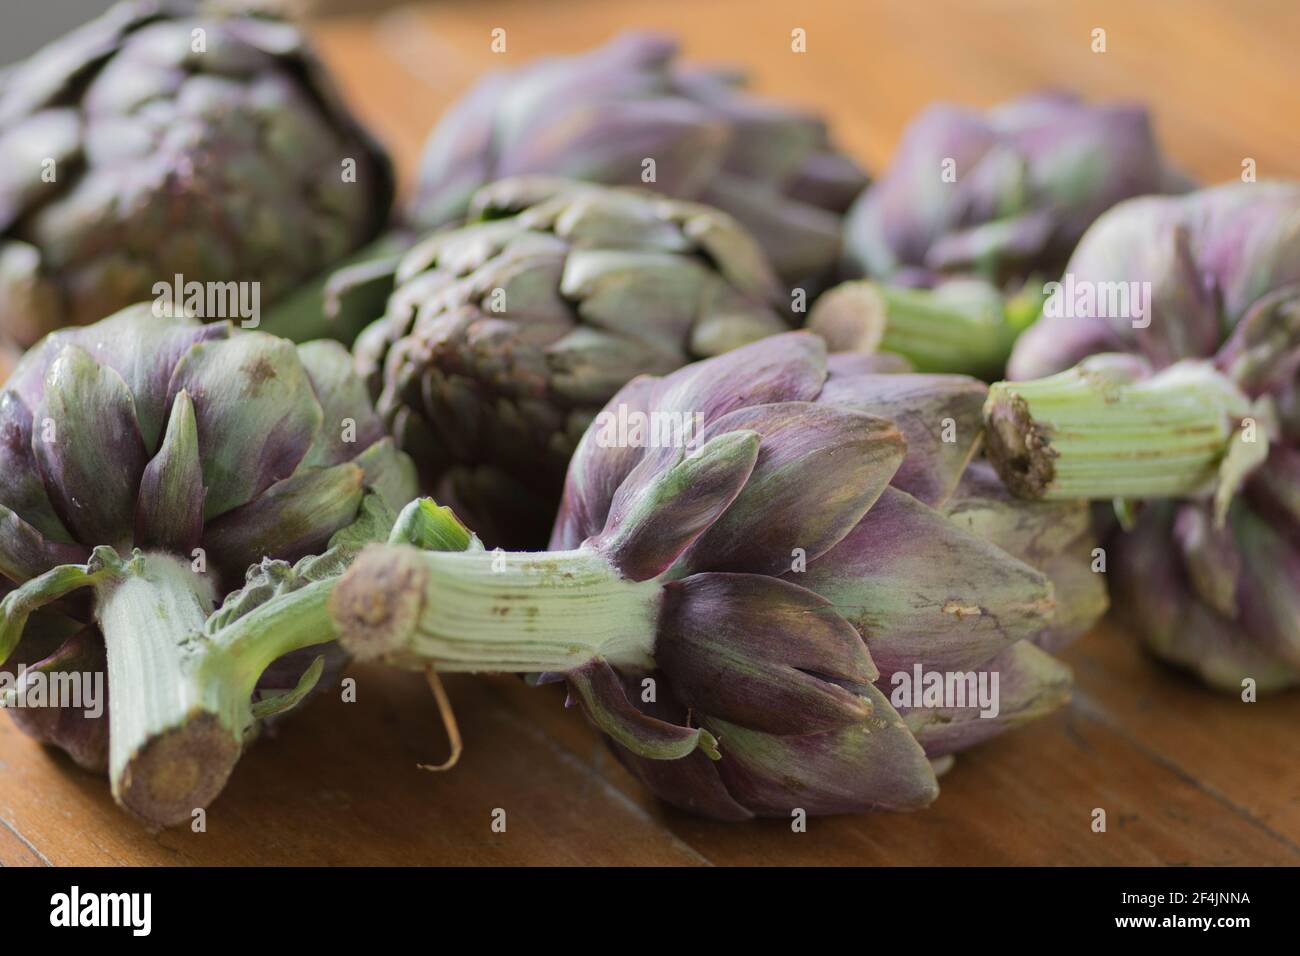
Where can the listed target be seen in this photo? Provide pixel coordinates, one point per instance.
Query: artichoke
(503, 339)
(980, 207)
(153, 460)
(629, 113)
(1183, 314)
(741, 610)
(158, 142)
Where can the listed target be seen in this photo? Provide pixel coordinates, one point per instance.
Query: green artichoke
(749, 611)
(975, 211)
(503, 339)
(157, 142)
(605, 115)
(1184, 316)
(164, 465)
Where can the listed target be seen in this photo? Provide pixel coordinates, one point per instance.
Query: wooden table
(8, 358)
(1184, 776)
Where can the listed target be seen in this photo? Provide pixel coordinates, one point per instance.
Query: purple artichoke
(1001, 197)
(741, 608)
(1197, 300)
(157, 141)
(603, 115)
(1029, 177)
(156, 477)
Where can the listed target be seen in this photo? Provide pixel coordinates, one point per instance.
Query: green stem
(166, 756)
(493, 611)
(963, 326)
(341, 301)
(241, 652)
(939, 336)
(1101, 430)
(180, 701)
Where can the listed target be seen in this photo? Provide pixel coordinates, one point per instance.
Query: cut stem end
(1109, 429)
(178, 771)
(377, 604)
(1019, 448)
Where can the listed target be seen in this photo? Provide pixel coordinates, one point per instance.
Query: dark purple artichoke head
(157, 141)
(167, 434)
(504, 338)
(600, 116)
(813, 560)
(177, 462)
(740, 609)
(1027, 178)
(1213, 282)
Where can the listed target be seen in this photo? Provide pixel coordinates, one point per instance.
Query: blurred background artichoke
(979, 208)
(158, 141)
(1003, 193)
(1202, 407)
(631, 113)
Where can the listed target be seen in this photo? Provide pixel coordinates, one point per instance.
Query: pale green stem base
(493, 611)
(1101, 431)
(964, 326)
(939, 335)
(179, 700)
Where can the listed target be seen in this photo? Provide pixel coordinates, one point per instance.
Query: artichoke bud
(233, 164)
(79, 731)
(974, 211)
(1023, 181)
(1206, 420)
(631, 114)
(153, 459)
(732, 609)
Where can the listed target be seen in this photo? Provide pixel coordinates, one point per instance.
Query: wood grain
(8, 359)
(1185, 777)
(340, 784)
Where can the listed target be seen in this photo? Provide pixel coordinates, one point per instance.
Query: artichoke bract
(157, 144)
(504, 338)
(994, 198)
(1183, 314)
(761, 561)
(175, 469)
(629, 113)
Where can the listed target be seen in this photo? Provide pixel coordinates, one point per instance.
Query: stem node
(377, 604)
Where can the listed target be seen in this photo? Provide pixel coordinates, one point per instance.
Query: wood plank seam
(13, 829)
(1089, 709)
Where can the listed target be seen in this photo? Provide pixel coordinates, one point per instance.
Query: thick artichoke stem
(517, 612)
(167, 755)
(963, 327)
(180, 701)
(1102, 430)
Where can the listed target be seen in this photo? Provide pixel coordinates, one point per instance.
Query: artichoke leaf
(603, 699)
(290, 699)
(19, 604)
